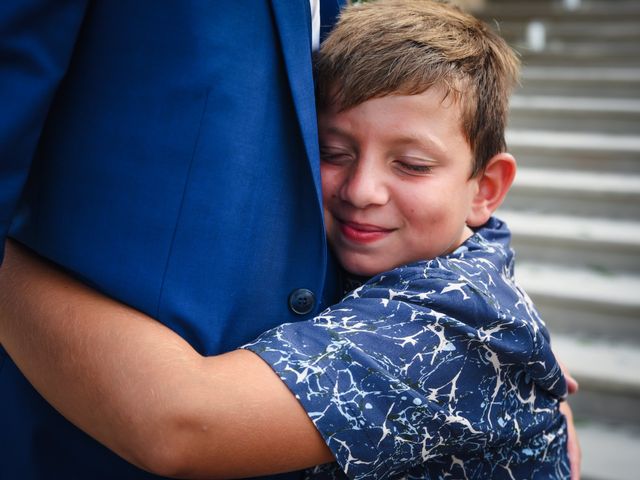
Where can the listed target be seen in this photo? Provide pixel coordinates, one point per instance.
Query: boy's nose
(364, 186)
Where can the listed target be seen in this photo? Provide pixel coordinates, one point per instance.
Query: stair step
(593, 10)
(582, 301)
(582, 74)
(579, 193)
(560, 54)
(598, 244)
(568, 5)
(608, 453)
(590, 80)
(580, 151)
(601, 365)
(608, 376)
(586, 114)
(576, 141)
(581, 285)
(577, 104)
(572, 30)
(587, 182)
(579, 49)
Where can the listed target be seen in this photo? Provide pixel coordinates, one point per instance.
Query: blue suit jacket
(165, 153)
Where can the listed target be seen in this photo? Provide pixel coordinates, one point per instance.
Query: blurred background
(575, 207)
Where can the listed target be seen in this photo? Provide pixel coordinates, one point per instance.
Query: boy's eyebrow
(423, 141)
(343, 135)
(335, 131)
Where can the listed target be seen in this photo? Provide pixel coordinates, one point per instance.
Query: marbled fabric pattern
(441, 369)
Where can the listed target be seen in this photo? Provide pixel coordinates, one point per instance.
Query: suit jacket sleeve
(36, 41)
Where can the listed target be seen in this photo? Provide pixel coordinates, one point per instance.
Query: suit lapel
(294, 29)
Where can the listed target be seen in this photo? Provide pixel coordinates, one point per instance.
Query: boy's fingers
(572, 383)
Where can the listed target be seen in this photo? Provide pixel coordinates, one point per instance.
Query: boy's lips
(362, 232)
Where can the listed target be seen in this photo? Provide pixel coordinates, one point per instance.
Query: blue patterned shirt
(437, 369)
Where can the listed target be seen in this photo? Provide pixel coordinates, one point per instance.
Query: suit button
(301, 301)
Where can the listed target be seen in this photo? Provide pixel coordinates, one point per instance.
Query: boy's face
(395, 180)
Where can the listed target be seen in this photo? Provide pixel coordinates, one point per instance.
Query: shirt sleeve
(36, 41)
(392, 378)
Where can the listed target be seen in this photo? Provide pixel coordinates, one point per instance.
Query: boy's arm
(141, 390)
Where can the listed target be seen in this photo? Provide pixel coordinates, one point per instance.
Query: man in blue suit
(166, 154)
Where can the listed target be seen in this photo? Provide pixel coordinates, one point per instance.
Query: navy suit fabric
(166, 154)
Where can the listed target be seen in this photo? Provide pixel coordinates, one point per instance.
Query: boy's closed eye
(413, 166)
(335, 155)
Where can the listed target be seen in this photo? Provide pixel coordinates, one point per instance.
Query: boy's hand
(572, 383)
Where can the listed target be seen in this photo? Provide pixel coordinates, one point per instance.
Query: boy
(436, 367)
(413, 102)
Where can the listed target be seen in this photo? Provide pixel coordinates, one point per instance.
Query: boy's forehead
(430, 119)
(444, 99)
(338, 96)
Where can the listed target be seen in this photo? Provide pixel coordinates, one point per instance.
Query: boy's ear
(493, 185)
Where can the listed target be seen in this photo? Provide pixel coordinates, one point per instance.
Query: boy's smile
(395, 180)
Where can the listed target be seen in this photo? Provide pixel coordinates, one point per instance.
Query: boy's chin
(363, 267)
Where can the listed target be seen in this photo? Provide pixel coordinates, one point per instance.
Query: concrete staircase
(575, 207)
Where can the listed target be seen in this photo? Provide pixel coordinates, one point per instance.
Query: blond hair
(404, 47)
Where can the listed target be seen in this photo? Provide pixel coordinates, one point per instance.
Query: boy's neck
(349, 281)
